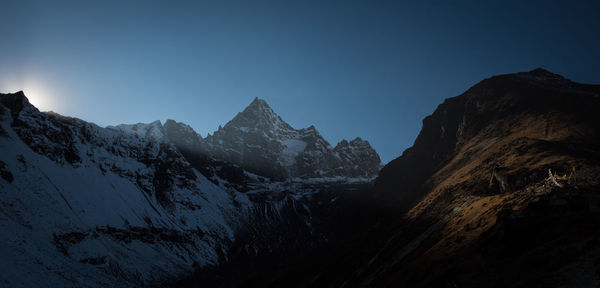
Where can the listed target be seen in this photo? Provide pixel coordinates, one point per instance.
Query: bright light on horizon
(38, 97)
(38, 94)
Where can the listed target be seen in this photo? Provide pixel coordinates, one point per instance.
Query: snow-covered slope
(87, 206)
(133, 205)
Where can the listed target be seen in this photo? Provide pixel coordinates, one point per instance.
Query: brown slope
(537, 104)
(486, 214)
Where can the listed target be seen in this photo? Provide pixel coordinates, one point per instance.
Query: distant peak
(342, 143)
(258, 115)
(258, 106)
(257, 102)
(180, 132)
(355, 142)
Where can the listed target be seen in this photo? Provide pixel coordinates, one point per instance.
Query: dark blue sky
(373, 69)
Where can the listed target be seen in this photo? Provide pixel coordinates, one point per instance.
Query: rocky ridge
(258, 140)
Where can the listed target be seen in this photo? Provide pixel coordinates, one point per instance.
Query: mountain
(138, 205)
(505, 176)
(500, 189)
(258, 140)
(86, 206)
(531, 106)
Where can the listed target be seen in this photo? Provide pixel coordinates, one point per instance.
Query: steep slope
(260, 141)
(536, 105)
(87, 206)
(508, 168)
(500, 189)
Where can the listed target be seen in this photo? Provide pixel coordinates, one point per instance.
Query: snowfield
(91, 224)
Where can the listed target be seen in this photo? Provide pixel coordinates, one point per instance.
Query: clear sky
(372, 69)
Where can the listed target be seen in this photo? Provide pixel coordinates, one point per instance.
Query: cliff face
(532, 106)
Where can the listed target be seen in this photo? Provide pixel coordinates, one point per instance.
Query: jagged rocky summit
(260, 141)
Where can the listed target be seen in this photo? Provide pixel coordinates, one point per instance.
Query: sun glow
(39, 95)
(37, 89)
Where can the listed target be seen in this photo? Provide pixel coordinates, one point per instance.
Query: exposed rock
(258, 140)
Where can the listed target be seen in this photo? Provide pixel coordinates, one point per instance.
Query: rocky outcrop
(359, 158)
(182, 135)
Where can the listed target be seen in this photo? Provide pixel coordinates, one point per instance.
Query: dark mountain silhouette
(482, 182)
(500, 189)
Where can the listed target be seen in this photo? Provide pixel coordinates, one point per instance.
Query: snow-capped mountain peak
(258, 116)
(260, 141)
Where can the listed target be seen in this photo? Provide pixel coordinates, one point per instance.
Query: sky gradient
(372, 69)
